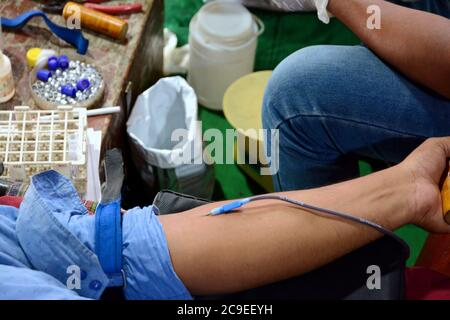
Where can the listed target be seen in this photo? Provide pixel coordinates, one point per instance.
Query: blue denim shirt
(52, 232)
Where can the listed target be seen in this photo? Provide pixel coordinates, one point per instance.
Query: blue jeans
(336, 104)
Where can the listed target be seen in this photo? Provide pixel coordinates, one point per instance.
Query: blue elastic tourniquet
(72, 36)
(108, 241)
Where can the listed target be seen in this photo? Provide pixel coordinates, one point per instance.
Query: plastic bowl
(93, 102)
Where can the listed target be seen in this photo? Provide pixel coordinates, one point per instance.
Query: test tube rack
(33, 141)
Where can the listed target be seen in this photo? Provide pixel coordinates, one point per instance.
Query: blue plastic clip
(72, 36)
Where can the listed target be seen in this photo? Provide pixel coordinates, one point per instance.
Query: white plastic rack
(32, 141)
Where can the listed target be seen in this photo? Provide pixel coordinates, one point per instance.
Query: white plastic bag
(158, 152)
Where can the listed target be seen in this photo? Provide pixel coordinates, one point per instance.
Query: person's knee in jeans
(299, 93)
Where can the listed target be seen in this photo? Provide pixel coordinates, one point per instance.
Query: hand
(425, 166)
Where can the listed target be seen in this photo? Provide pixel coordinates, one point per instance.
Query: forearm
(416, 43)
(270, 241)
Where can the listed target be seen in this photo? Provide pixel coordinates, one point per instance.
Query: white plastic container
(222, 37)
(7, 88)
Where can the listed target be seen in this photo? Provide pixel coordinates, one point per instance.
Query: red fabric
(14, 201)
(11, 201)
(426, 284)
(435, 254)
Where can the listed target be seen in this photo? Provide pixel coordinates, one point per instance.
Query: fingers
(442, 143)
(444, 147)
(428, 164)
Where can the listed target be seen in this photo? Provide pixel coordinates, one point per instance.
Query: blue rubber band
(72, 36)
(108, 241)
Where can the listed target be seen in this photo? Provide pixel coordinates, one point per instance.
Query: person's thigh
(333, 102)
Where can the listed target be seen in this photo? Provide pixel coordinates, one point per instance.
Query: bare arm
(269, 241)
(417, 43)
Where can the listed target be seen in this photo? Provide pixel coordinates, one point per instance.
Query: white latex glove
(291, 5)
(306, 5)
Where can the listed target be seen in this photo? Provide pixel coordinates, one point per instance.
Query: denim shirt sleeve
(11, 253)
(146, 259)
(17, 283)
(50, 206)
(17, 279)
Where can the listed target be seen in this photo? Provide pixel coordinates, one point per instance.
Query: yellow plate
(242, 102)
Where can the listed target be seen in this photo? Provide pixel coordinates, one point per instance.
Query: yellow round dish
(242, 105)
(242, 102)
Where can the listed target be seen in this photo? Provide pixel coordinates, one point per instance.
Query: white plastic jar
(223, 38)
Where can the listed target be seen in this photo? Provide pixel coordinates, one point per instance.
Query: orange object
(435, 254)
(97, 21)
(445, 195)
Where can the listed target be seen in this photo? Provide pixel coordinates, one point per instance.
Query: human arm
(269, 241)
(415, 42)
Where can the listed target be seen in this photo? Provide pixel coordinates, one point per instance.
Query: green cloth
(285, 33)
